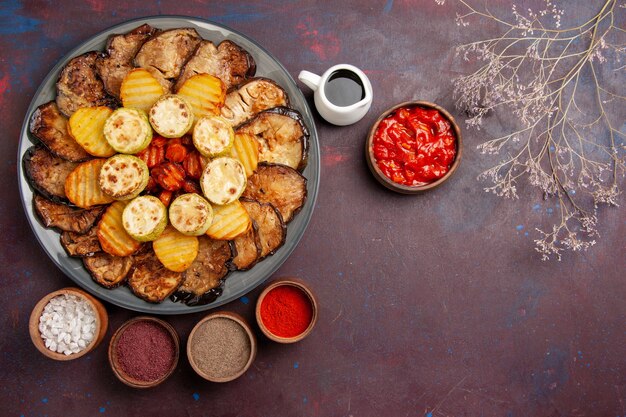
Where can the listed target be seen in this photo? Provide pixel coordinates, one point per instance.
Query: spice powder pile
(286, 311)
(145, 351)
(220, 347)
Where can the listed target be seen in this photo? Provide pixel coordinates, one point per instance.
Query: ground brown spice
(220, 347)
(145, 351)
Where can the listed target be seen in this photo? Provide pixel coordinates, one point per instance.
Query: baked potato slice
(64, 217)
(47, 173)
(271, 227)
(82, 185)
(150, 280)
(203, 279)
(280, 185)
(107, 270)
(51, 127)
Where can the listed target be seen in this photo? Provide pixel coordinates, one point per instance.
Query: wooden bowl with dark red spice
(414, 147)
(286, 310)
(144, 352)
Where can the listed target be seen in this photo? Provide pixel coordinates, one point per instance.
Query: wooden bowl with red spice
(144, 352)
(286, 310)
(414, 147)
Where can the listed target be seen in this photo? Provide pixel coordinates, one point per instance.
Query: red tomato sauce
(414, 146)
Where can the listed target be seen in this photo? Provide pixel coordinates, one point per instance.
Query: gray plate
(237, 283)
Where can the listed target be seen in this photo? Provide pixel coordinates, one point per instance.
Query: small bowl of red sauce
(286, 311)
(413, 147)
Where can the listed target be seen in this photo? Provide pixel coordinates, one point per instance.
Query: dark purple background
(432, 305)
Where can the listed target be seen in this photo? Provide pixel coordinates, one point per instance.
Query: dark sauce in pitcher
(344, 88)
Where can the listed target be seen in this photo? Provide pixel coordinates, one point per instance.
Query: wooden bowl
(114, 361)
(405, 189)
(102, 323)
(237, 373)
(293, 282)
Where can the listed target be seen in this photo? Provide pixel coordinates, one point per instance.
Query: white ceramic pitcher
(336, 114)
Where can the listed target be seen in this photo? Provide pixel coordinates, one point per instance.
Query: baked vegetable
(171, 116)
(107, 270)
(175, 250)
(281, 135)
(64, 217)
(252, 97)
(280, 185)
(203, 279)
(150, 280)
(128, 130)
(123, 177)
(246, 150)
(78, 244)
(144, 218)
(140, 89)
(51, 128)
(248, 248)
(271, 227)
(213, 136)
(205, 94)
(223, 180)
(46, 172)
(82, 187)
(191, 214)
(113, 237)
(229, 221)
(87, 127)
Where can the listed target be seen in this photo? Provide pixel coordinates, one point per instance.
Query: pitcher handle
(310, 79)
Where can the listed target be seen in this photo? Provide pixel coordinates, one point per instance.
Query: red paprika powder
(286, 311)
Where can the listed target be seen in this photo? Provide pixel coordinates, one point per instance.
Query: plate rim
(145, 307)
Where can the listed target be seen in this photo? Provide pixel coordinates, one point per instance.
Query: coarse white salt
(67, 324)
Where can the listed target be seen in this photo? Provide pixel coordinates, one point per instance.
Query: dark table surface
(431, 305)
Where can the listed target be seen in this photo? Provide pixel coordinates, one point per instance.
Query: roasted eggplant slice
(165, 54)
(282, 136)
(203, 279)
(77, 244)
(50, 127)
(271, 227)
(150, 280)
(47, 173)
(79, 85)
(121, 49)
(228, 61)
(252, 97)
(107, 270)
(280, 185)
(64, 217)
(248, 247)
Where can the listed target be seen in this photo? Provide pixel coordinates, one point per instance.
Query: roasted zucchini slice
(191, 214)
(107, 270)
(213, 136)
(203, 279)
(150, 280)
(128, 130)
(171, 116)
(145, 218)
(223, 180)
(248, 247)
(271, 227)
(47, 173)
(123, 177)
(64, 217)
(51, 128)
(280, 185)
(81, 245)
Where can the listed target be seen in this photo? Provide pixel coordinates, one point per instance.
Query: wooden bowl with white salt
(67, 324)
